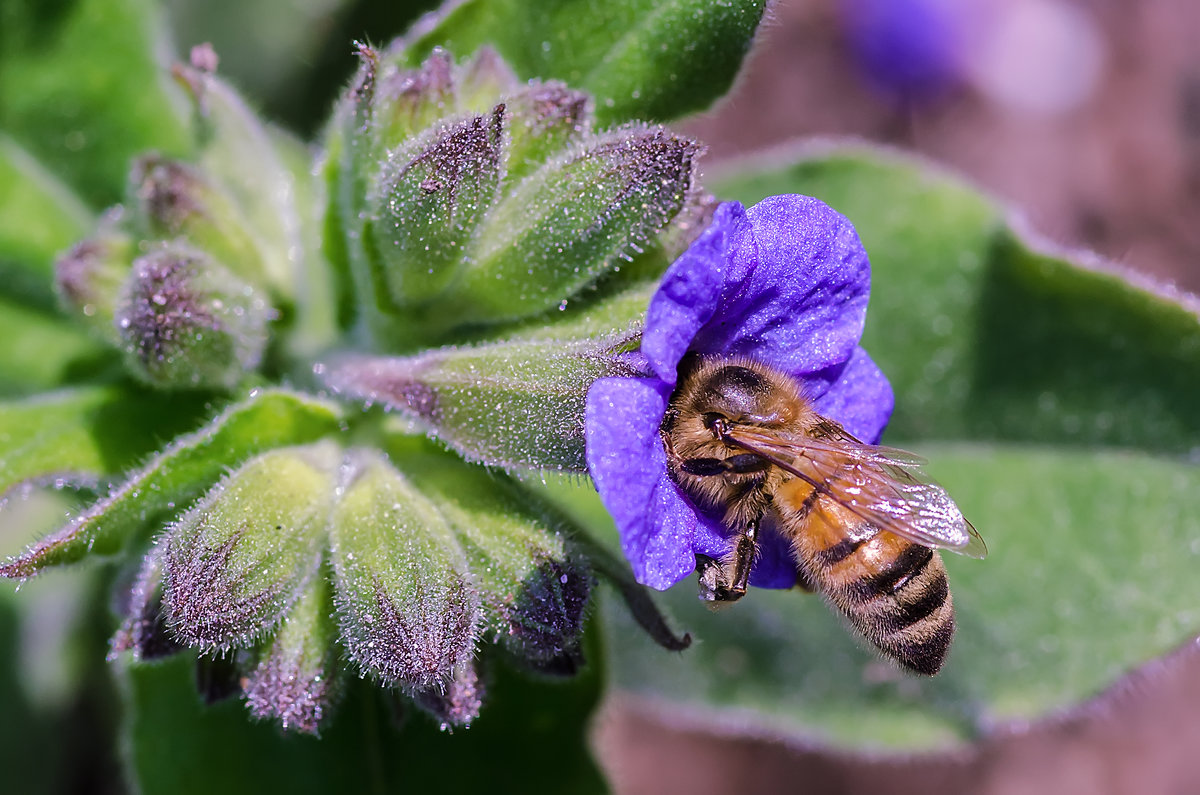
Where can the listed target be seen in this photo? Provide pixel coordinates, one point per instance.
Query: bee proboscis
(864, 521)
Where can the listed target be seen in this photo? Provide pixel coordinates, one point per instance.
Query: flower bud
(237, 562)
(88, 278)
(407, 102)
(515, 405)
(408, 610)
(534, 584)
(295, 681)
(484, 80)
(243, 155)
(543, 120)
(186, 322)
(143, 630)
(573, 220)
(433, 193)
(177, 200)
(457, 703)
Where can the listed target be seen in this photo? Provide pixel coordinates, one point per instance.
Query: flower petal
(774, 567)
(691, 291)
(795, 291)
(629, 467)
(858, 396)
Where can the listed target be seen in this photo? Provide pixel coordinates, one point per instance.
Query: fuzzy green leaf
(640, 59)
(89, 431)
(1056, 403)
(180, 474)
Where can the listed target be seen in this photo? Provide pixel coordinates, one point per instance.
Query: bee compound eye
(717, 423)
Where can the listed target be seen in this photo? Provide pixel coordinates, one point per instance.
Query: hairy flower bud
(456, 703)
(295, 681)
(143, 630)
(483, 79)
(89, 276)
(174, 199)
(574, 219)
(433, 193)
(185, 321)
(516, 405)
(463, 197)
(533, 582)
(543, 120)
(247, 158)
(237, 562)
(409, 612)
(411, 101)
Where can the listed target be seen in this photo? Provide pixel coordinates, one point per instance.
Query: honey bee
(864, 521)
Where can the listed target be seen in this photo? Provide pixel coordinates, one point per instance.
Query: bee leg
(741, 464)
(726, 580)
(742, 560)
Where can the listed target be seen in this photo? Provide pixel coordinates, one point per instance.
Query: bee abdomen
(905, 608)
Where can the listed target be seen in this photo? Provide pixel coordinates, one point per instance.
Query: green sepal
(573, 220)
(296, 681)
(408, 610)
(517, 405)
(237, 561)
(186, 322)
(180, 474)
(534, 584)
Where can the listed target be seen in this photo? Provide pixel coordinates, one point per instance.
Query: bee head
(739, 392)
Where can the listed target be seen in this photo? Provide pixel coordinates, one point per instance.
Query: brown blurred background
(1086, 116)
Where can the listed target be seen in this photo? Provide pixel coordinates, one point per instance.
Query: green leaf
(93, 431)
(39, 219)
(641, 59)
(534, 730)
(43, 351)
(83, 86)
(180, 474)
(1057, 404)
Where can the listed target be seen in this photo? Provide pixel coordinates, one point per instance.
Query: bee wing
(885, 487)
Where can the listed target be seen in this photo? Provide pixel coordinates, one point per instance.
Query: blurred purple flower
(910, 50)
(785, 283)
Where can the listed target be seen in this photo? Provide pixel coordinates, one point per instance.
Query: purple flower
(911, 50)
(785, 283)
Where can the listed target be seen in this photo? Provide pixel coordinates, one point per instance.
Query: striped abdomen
(893, 591)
